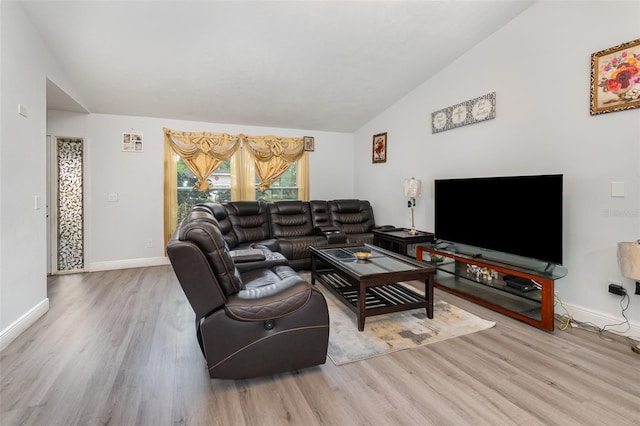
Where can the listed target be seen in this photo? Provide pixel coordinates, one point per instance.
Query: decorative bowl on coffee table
(362, 255)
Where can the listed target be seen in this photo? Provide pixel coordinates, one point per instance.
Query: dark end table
(398, 239)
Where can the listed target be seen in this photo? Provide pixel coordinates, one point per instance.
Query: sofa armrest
(248, 255)
(270, 301)
(384, 227)
(333, 234)
(270, 244)
(322, 230)
(269, 260)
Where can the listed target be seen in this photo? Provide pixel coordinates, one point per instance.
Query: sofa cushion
(272, 299)
(290, 219)
(260, 277)
(320, 216)
(196, 277)
(205, 234)
(352, 216)
(299, 247)
(249, 220)
(222, 216)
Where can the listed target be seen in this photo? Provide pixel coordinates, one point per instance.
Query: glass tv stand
(516, 286)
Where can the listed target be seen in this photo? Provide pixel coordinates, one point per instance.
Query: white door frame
(52, 205)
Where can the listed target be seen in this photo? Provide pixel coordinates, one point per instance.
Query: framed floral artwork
(615, 78)
(380, 148)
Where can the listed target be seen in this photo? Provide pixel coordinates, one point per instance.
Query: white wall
(539, 67)
(117, 232)
(26, 64)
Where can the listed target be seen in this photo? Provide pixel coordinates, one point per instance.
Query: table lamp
(412, 190)
(629, 260)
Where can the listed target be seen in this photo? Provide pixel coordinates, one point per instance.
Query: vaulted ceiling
(317, 65)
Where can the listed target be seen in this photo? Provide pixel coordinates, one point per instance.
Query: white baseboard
(9, 334)
(601, 319)
(128, 263)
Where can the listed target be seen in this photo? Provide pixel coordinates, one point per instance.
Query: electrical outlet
(149, 243)
(637, 287)
(617, 289)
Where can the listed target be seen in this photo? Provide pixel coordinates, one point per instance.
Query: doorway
(66, 206)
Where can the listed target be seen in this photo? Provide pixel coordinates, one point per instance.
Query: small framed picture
(615, 78)
(379, 154)
(309, 143)
(132, 142)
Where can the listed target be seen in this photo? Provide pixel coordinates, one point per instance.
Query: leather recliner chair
(355, 219)
(291, 225)
(250, 223)
(262, 321)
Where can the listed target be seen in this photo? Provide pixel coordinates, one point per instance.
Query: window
(285, 188)
(189, 196)
(227, 183)
(223, 167)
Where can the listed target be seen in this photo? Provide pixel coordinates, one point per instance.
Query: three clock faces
(469, 112)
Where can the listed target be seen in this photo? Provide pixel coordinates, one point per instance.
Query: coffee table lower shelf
(379, 299)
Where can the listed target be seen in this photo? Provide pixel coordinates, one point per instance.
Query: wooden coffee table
(373, 286)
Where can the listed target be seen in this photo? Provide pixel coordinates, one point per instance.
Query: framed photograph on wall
(615, 78)
(309, 143)
(379, 154)
(132, 142)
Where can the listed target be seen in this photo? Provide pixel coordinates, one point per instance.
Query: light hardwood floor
(119, 348)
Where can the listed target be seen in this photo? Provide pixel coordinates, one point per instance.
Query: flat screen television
(519, 215)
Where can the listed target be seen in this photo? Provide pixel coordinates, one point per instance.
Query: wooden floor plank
(119, 348)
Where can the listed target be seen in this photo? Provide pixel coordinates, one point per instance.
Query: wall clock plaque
(468, 112)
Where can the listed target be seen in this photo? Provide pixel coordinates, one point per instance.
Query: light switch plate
(617, 189)
(22, 110)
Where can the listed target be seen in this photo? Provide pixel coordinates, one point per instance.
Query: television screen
(520, 215)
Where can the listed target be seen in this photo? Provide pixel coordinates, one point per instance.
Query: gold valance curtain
(202, 152)
(273, 155)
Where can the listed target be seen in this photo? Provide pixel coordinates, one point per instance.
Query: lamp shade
(629, 259)
(412, 187)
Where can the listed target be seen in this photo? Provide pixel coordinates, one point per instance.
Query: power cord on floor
(567, 320)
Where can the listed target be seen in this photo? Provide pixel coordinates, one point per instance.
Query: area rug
(388, 333)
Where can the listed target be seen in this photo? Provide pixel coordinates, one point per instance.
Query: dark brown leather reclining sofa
(236, 263)
(292, 227)
(262, 320)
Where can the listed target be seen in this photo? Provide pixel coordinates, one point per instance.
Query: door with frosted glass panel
(70, 204)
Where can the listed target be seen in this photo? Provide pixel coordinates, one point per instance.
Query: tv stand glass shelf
(516, 286)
